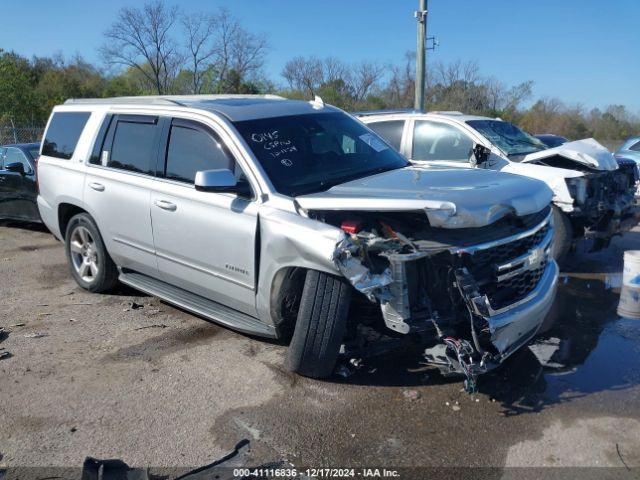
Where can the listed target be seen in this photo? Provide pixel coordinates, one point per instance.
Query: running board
(199, 305)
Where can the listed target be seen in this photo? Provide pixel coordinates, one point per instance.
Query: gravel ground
(126, 376)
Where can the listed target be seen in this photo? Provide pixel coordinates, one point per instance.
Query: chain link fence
(20, 134)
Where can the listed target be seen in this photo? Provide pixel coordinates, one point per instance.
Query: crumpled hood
(450, 197)
(587, 152)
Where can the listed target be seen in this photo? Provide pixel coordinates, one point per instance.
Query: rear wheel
(562, 237)
(89, 262)
(320, 326)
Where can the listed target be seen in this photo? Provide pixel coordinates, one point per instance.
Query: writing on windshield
(313, 152)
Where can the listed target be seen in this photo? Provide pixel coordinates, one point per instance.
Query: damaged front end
(475, 295)
(608, 207)
(604, 193)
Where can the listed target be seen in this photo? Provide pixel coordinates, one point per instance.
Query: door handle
(163, 204)
(98, 187)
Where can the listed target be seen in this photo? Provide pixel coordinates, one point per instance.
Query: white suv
(593, 196)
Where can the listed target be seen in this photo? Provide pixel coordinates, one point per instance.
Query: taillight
(351, 226)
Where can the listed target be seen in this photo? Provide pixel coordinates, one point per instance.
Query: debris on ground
(16, 325)
(36, 335)
(456, 408)
(222, 469)
(411, 394)
(4, 354)
(157, 325)
(132, 306)
(43, 314)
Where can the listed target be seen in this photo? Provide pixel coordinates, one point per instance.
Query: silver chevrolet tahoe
(292, 220)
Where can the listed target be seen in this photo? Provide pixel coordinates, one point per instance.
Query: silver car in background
(292, 220)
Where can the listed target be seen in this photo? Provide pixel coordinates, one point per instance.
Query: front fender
(286, 240)
(553, 177)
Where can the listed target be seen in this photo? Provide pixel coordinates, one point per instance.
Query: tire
(562, 237)
(91, 266)
(321, 325)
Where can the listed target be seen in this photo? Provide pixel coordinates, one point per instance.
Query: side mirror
(16, 167)
(479, 155)
(221, 180)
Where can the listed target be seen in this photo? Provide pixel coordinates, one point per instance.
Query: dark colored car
(551, 140)
(18, 189)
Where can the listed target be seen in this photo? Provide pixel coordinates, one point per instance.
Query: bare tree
(200, 31)
(236, 50)
(309, 75)
(140, 39)
(401, 86)
(304, 74)
(365, 77)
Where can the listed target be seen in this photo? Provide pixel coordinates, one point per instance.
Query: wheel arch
(66, 211)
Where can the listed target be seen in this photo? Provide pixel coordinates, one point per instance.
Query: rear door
(118, 186)
(18, 191)
(391, 130)
(205, 241)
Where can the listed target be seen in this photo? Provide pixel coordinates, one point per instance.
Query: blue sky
(581, 51)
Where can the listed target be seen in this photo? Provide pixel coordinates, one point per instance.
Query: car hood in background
(587, 152)
(450, 197)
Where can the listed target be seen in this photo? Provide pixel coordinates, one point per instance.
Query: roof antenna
(317, 102)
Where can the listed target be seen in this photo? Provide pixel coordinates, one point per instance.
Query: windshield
(311, 153)
(507, 137)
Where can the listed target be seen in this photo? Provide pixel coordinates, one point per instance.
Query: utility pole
(421, 16)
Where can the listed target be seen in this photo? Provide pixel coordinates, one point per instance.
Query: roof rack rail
(386, 112)
(181, 100)
(447, 112)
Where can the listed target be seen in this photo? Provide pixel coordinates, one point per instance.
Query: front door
(440, 144)
(204, 241)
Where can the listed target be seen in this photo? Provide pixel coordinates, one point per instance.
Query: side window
(3, 152)
(439, 141)
(635, 147)
(193, 147)
(15, 155)
(133, 140)
(62, 136)
(391, 131)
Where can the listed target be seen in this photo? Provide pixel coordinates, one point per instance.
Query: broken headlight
(577, 188)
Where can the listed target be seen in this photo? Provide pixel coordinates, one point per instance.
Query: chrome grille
(508, 251)
(507, 272)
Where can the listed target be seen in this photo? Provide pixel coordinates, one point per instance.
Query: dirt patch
(154, 348)
(52, 276)
(33, 248)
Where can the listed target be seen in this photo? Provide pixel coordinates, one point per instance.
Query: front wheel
(321, 325)
(89, 262)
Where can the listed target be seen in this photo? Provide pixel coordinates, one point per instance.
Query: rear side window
(635, 147)
(131, 144)
(192, 148)
(391, 131)
(63, 133)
